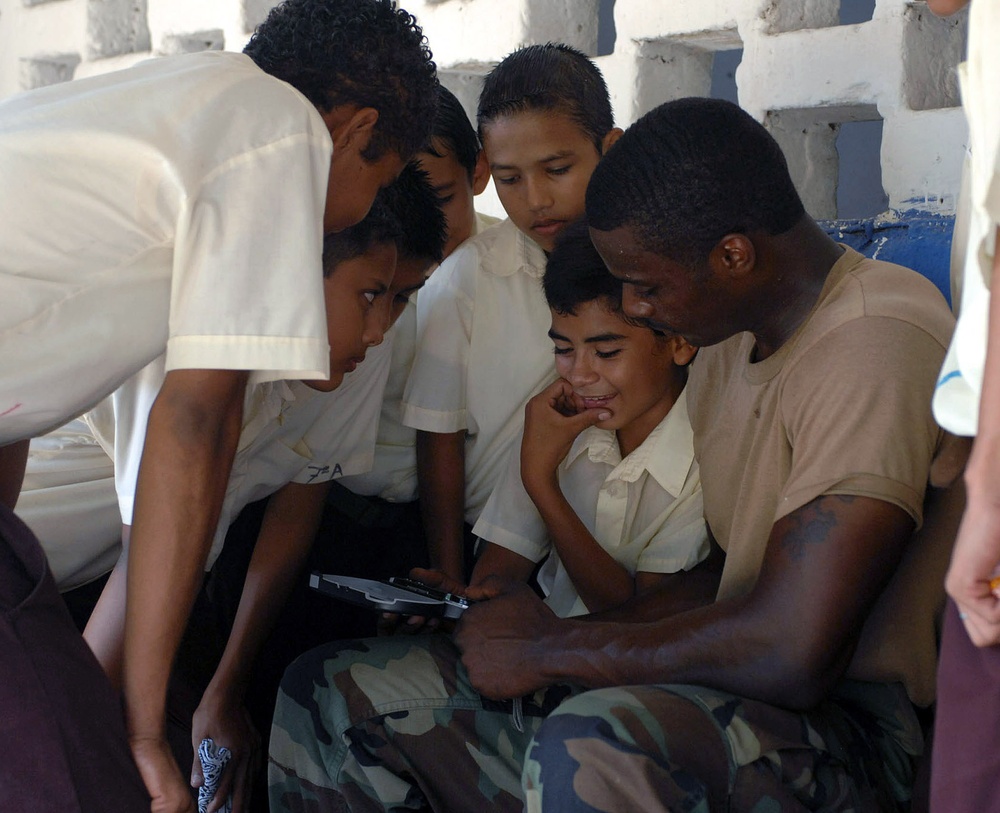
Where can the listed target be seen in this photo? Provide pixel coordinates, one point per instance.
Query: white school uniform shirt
(393, 476)
(393, 473)
(68, 500)
(956, 399)
(645, 510)
(291, 433)
(482, 351)
(175, 206)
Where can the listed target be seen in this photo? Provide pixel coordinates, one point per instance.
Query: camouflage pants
(393, 724)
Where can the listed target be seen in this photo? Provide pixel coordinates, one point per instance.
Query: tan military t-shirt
(842, 408)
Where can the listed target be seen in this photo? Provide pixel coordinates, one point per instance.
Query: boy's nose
(581, 372)
(539, 197)
(376, 325)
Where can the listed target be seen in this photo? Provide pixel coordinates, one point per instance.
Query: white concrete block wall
(802, 73)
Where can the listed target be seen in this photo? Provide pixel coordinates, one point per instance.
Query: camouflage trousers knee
(393, 724)
(693, 749)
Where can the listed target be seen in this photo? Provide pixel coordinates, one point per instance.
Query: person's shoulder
(481, 253)
(485, 221)
(237, 77)
(874, 289)
(504, 251)
(496, 237)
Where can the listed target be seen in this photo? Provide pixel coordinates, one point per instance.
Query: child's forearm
(190, 441)
(441, 479)
(498, 562)
(600, 580)
(105, 631)
(286, 536)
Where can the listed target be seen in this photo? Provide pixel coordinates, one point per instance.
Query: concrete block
(476, 31)
(465, 82)
(922, 156)
(192, 42)
(810, 148)
(47, 69)
(573, 22)
(116, 27)
(931, 48)
(848, 66)
(641, 20)
(794, 15)
(253, 12)
(667, 70)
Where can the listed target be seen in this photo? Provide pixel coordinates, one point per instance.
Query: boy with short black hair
(453, 151)
(374, 518)
(294, 443)
(615, 505)
(544, 120)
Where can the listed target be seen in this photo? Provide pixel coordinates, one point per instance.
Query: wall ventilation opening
(859, 176)
(853, 12)
(724, 65)
(794, 15)
(834, 158)
(606, 32)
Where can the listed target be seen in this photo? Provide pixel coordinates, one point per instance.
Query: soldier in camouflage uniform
(788, 682)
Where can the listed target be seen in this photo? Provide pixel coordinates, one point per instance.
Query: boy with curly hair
(180, 205)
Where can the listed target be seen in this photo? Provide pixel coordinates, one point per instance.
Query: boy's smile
(623, 368)
(541, 162)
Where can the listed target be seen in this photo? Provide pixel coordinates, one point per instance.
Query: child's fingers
(589, 417)
(224, 788)
(437, 579)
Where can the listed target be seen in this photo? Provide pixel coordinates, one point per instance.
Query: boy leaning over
(378, 510)
(133, 178)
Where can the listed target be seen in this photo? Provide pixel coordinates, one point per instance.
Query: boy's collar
(667, 453)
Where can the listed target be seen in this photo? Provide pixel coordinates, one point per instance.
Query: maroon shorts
(965, 770)
(63, 746)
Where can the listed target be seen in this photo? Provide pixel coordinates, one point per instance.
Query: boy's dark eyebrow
(604, 337)
(556, 156)
(412, 289)
(599, 339)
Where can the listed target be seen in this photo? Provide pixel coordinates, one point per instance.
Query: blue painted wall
(918, 240)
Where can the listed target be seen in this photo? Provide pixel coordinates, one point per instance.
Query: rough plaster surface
(192, 42)
(47, 69)
(802, 73)
(116, 27)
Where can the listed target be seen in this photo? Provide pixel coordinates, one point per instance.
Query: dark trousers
(965, 771)
(63, 746)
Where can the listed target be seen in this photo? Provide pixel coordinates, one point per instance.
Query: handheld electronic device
(398, 595)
